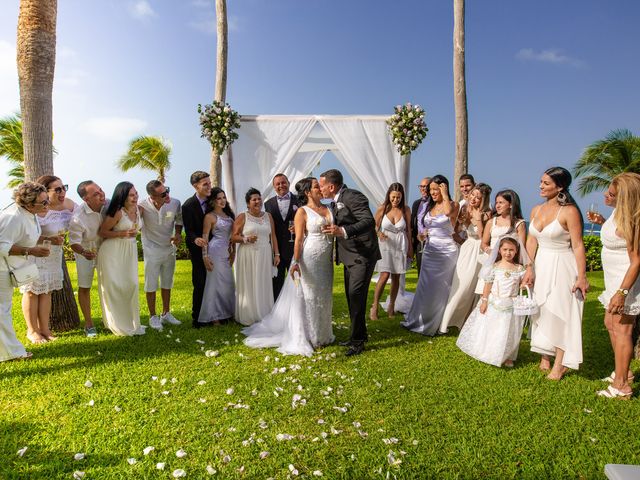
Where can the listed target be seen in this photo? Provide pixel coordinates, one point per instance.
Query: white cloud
(116, 129)
(551, 55)
(141, 9)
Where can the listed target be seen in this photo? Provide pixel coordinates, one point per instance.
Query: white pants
(159, 264)
(10, 346)
(86, 269)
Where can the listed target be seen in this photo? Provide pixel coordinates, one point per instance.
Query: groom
(356, 248)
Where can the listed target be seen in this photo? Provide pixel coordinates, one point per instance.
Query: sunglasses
(61, 189)
(165, 193)
(44, 203)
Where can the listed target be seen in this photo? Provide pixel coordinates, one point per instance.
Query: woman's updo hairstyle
(303, 187)
(562, 178)
(250, 193)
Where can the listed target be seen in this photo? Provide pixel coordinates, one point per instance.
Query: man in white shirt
(466, 184)
(161, 234)
(84, 241)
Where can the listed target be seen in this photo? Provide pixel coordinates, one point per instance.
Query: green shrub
(593, 249)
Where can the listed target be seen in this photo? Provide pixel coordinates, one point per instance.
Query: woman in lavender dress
(218, 301)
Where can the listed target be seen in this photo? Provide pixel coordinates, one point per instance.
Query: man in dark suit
(282, 208)
(193, 210)
(418, 210)
(356, 248)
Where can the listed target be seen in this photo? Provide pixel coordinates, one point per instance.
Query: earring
(562, 198)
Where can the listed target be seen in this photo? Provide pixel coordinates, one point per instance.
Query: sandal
(612, 392)
(612, 377)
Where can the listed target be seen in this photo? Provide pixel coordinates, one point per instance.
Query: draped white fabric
(270, 144)
(365, 148)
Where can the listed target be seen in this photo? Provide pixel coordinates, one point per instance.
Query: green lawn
(410, 407)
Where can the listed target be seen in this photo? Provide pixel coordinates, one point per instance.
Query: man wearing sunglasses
(161, 235)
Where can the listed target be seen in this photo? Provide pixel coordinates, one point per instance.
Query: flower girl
(492, 331)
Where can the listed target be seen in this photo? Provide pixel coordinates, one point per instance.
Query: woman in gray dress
(439, 258)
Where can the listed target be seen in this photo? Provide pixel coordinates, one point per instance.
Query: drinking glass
(45, 244)
(291, 223)
(92, 248)
(593, 211)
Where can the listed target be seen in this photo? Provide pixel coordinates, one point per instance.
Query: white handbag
(22, 275)
(524, 305)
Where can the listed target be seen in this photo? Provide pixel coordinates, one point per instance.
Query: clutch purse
(23, 275)
(524, 304)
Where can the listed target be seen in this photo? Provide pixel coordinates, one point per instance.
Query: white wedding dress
(301, 318)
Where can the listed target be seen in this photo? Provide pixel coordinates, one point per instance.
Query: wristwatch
(623, 291)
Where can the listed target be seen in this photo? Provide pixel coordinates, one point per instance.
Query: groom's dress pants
(357, 278)
(198, 278)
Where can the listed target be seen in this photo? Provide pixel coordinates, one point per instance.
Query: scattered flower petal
(211, 470)
(22, 451)
(317, 473)
(179, 473)
(117, 409)
(77, 475)
(132, 461)
(226, 459)
(202, 382)
(160, 466)
(165, 392)
(91, 403)
(88, 384)
(163, 381)
(79, 456)
(201, 342)
(586, 410)
(263, 455)
(393, 461)
(293, 470)
(212, 353)
(230, 391)
(181, 453)
(283, 436)
(148, 450)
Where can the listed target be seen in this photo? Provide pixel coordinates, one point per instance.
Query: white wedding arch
(294, 144)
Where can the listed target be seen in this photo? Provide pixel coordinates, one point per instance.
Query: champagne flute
(92, 248)
(592, 211)
(45, 244)
(291, 223)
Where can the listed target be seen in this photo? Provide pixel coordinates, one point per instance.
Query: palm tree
(221, 80)
(618, 152)
(36, 54)
(461, 165)
(148, 153)
(11, 148)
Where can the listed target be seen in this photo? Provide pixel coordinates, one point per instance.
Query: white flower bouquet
(407, 127)
(218, 122)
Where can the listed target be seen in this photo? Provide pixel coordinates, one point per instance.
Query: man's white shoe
(168, 318)
(155, 322)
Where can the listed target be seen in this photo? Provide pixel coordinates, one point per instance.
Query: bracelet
(294, 262)
(623, 291)
(484, 299)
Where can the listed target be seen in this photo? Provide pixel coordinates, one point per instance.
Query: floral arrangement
(407, 127)
(218, 122)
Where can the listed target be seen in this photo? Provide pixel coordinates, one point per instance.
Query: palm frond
(147, 153)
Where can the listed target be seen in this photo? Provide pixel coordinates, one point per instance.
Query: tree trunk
(460, 95)
(221, 80)
(36, 57)
(64, 310)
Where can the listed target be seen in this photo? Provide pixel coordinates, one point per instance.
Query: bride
(301, 318)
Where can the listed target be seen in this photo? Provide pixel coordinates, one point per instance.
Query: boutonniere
(295, 207)
(339, 206)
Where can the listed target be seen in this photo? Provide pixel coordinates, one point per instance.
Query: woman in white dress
(620, 237)
(507, 218)
(36, 296)
(254, 232)
(301, 318)
(559, 270)
(118, 263)
(218, 300)
(473, 216)
(19, 234)
(439, 258)
(393, 223)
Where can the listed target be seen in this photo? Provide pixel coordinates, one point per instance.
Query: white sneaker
(168, 318)
(155, 322)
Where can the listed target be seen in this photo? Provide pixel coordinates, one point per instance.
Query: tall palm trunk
(221, 80)
(460, 95)
(36, 64)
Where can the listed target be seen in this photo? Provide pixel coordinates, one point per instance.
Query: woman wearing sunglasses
(54, 222)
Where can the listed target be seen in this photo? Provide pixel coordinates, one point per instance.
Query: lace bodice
(260, 226)
(315, 222)
(54, 221)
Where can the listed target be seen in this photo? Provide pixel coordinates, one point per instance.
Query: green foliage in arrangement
(410, 407)
(593, 248)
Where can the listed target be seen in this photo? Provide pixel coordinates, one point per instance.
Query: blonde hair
(627, 214)
(27, 193)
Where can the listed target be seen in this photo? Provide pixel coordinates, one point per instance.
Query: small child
(492, 332)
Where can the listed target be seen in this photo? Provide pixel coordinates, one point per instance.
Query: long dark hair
(562, 178)
(119, 197)
(485, 191)
(303, 187)
(515, 214)
(211, 202)
(394, 187)
(438, 179)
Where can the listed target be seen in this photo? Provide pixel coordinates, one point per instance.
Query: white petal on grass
(202, 382)
(179, 473)
(414, 443)
(117, 408)
(174, 380)
(393, 461)
(201, 342)
(163, 381)
(148, 450)
(88, 384)
(283, 436)
(226, 459)
(181, 453)
(77, 475)
(154, 378)
(22, 451)
(79, 456)
(212, 353)
(160, 465)
(586, 410)
(91, 403)
(132, 461)
(165, 392)
(317, 473)
(263, 455)
(202, 400)
(211, 470)
(254, 392)
(230, 391)
(293, 470)
(320, 421)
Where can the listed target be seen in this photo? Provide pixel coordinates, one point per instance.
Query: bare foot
(391, 311)
(49, 336)
(557, 374)
(373, 313)
(36, 338)
(508, 363)
(545, 364)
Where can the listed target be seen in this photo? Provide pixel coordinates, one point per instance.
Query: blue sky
(544, 79)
